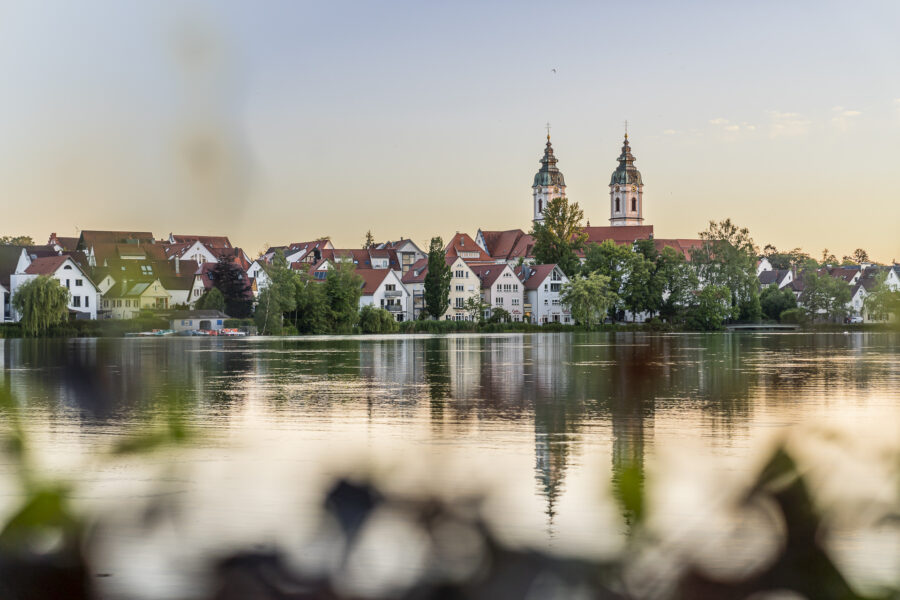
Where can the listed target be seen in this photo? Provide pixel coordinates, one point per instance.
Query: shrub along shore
(118, 328)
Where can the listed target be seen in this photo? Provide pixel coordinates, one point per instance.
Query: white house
(414, 280)
(197, 320)
(82, 291)
(383, 288)
(543, 287)
(501, 288)
(407, 252)
(464, 284)
(763, 265)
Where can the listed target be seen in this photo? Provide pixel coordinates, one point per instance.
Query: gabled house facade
(543, 294)
(414, 280)
(383, 288)
(127, 300)
(408, 253)
(464, 284)
(500, 289)
(82, 291)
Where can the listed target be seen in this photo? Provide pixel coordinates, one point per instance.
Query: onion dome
(626, 173)
(548, 174)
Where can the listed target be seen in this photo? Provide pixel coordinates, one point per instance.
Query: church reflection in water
(569, 386)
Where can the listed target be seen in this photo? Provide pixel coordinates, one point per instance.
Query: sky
(277, 122)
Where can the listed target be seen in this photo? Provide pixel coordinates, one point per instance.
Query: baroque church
(626, 202)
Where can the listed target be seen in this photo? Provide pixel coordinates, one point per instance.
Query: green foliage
(277, 298)
(560, 235)
(343, 289)
(774, 302)
(231, 280)
(881, 301)
(678, 283)
(628, 488)
(711, 309)
(16, 240)
(612, 261)
(795, 316)
(500, 315)
(212, 299)
(311, 313)
(369, 242)
(437, 280)
(41, 303)
(588, 298)
(376, 320)
(793, 259)
(824, 296)
(642, 289)
(727, 258)
(476, 307)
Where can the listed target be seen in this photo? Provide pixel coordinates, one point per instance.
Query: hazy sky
(278, 122)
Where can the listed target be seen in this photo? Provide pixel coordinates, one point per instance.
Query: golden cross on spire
(626, 129)
(548, 132)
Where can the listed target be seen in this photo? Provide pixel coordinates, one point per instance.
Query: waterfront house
(543, 294)
(511, 246)
(82, 291)
(383, 288)
(464, 284)
(500, 289)
(461, 245)
(127, 299)
(414, 280)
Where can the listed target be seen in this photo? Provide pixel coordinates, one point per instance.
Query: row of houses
(861, 279)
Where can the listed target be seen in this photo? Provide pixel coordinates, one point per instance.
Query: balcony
(392, 293)
(393, 307)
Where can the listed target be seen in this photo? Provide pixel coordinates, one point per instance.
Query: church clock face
(634, 188)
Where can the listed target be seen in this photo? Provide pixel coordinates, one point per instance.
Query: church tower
(549, 183)
(626, 191)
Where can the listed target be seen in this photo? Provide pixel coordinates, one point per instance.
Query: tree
(278, 296)
(860, 256)
(727, 258)
(376, 320)
(343, 289)
(588, 298)
(41, 303)
(711, 309)
(310, 306)
(500, 315)
(369, 241)
(774, 301)
(639, 290)
(559, 236)
(16, 240)
(678, 283)
(824, 296)
(881, 299)
(212, 299)
(475, 306)
(612, 261)
(828, 258)
(231, 280)
(437, 280)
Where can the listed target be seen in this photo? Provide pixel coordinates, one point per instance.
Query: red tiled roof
(47, 265)
(463, 243)
(508, 245)
(623, 234)
(532, 276)
(681, 245)
(416, 272)
(488, 274)
(91, 237)
(219, 241)
(372, 278)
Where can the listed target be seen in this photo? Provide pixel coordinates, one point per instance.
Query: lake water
(542, 424)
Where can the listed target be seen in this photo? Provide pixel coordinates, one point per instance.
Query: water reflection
(570, 391)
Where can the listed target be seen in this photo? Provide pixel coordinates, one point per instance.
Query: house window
(78, 282)
(555, 287)
(76, 300)
(499, 301)
(515, 301)
(87, 301)
(459, 288)
(459, 302)
(391, 287)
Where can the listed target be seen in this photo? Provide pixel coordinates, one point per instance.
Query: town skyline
(227, 121)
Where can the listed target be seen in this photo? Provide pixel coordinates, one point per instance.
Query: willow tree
(588, 298)
(41, 303)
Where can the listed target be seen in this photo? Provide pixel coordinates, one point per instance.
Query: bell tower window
(540, 206)
(634, 204)
(617, 205)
